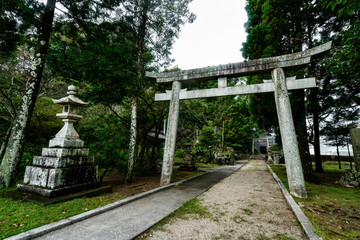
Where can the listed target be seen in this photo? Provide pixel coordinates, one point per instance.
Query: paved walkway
(130, 220)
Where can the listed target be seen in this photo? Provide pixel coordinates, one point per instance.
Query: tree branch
(118, 116)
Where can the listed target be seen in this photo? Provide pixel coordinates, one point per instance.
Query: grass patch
(200, 164)
(334, 210)
(18, 216)
(262, 236)
(282, 237)
(192, 207)
(238, 219)
(247, 211)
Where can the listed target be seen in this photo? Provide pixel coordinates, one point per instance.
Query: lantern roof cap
(71, 99)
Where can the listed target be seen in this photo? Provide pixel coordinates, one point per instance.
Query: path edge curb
(207, 189)
(300, 215)
(39, 231)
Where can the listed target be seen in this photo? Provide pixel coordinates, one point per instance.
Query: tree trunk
(6, 140)
(223, 136)
(14, 150)
(338, 154)
(315, 108)
(301, 132)
(132, 145)
(141, 73)
(350, 160)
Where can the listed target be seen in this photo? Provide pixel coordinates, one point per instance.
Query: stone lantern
(65, 166)
(67, 136)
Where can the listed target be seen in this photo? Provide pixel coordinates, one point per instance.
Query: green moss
(199, 164)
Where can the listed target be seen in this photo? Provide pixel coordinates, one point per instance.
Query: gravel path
(246, 205)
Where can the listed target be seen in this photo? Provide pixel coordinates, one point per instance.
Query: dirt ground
(141, 183)
(246, 205)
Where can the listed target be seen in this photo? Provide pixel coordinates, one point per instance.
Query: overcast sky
(215, 37)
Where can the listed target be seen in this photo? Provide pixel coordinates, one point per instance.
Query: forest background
(105, 46)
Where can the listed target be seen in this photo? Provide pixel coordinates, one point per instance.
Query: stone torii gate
(279, 85)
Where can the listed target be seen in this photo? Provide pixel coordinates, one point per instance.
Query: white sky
(214, 38)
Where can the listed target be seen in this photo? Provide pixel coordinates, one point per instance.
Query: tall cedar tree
(14, 150)
(276, 28)
(298, 24)
(156, 24)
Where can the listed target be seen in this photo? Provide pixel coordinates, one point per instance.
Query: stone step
(62, 162)
(65, 152)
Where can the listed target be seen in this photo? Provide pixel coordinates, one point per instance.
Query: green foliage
(337, 130)
(180, 153)
(239, 126)
(104, 58)
(44, 123)
(106, 137)
(276, 147)
(194, 112)
(157, 24)
(346, 7)
(208, 137)
(25, 161)
(16, 18)
(200, 152)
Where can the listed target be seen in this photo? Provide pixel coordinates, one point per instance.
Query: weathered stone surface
(61, 162)
(351, 178)
(227, 158)
(63, 177)
(171, 132)
(66, 143)
(237, 90)
(59, 177)
(65, 152)
(222, 82)
(50, 193)
(247, 68)
(288, 135)
(36, 176)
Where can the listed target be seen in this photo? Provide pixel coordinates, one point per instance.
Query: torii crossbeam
(279, 85)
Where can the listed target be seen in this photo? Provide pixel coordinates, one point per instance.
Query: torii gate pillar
(288, 136)
(171, 132)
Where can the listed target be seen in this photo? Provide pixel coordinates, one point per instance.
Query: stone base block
(53, 178)
(66, 143)
(50, 193)
(62, 162)
(65, 152)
